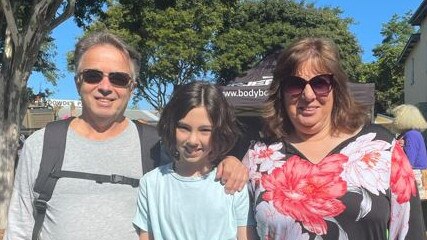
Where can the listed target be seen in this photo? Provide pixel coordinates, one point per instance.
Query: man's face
(104, 101)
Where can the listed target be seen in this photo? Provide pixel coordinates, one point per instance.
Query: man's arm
(20, 215)
(233, 174)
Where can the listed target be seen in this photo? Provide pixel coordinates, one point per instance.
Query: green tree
(174, 38)
(385, 71)
(26, 45)
(259, 28)
(181, 41)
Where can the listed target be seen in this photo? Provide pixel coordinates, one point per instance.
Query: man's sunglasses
(92, 76)
(321, 84)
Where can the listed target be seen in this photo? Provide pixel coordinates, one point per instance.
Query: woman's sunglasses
(92, 76)
(321, 84)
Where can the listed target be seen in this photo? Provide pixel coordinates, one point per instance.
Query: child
(181, 200)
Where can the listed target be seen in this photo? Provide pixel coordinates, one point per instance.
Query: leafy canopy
(385, 71)
(183, 41)
(259, 28)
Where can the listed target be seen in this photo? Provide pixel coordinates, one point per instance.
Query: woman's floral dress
(364, 189)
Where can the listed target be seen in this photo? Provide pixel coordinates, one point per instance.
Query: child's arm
(245, 233)
(143, 235)
(141, 220)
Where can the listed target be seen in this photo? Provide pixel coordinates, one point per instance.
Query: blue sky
(369, 16)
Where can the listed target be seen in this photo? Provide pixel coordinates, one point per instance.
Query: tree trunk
(20, 49)
(13, 75)
(13, 81)
(11, 85)
(9, 133)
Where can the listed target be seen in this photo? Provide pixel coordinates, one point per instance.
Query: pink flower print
(251, 165)
(368, 165)
(402, 181)
(260, 159)
(399, 219)
(306, 192)
(273, 225)
(269, 157)
(371, 159)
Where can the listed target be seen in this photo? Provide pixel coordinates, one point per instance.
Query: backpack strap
(151, 156)
(98, 178)
(55, 136)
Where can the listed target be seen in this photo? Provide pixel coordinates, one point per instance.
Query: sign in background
(63, 103)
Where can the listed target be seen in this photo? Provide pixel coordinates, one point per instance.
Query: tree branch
(10, 19)
(34, 22)
(68, 12)
(155, 94)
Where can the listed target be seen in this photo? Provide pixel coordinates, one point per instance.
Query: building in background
(40, 113)
(414, 58)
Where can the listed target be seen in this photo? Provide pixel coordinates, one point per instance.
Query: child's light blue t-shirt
(171, 206)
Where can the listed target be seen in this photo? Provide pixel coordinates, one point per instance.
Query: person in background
(182, 200)
(102, 141)
(409, 123)
(324, 172)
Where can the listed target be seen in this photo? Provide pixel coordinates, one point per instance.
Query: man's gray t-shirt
(79, 209)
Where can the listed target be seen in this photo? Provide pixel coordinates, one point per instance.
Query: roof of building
(419, 14)
(134, 114)
(415, 20)
(145, 115)
(413, 40)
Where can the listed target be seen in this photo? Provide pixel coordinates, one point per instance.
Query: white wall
(416, 70)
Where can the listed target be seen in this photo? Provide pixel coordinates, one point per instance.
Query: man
(100, 141)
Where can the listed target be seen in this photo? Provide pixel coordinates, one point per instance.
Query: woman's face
(310, 113)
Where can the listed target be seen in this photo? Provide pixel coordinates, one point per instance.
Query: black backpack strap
(151, 156)
(99, 178)
(55, 136)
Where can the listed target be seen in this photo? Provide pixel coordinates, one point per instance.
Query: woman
(324, 173)
(182, 200)
(409, 123)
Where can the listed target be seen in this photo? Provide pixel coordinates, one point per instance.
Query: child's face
(193, 135)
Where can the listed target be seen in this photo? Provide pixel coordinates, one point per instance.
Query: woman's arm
(411, 147)
(415, 149)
